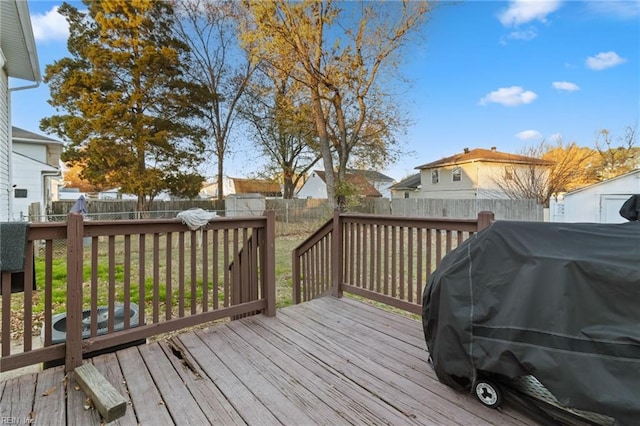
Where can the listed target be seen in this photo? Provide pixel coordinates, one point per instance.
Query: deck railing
(384, 258)
(178, 278)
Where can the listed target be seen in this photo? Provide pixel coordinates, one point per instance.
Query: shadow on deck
(327, 361)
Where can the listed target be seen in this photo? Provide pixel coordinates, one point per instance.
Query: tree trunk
(220, 179)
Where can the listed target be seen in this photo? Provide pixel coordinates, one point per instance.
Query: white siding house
(601, 202)
(18, 61)
(35, 170)
(474, 174)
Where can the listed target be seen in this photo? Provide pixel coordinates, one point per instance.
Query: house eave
(17, 41)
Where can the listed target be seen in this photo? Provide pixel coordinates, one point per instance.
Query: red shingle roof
(364, 187)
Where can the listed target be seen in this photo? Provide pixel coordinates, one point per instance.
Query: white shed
(601, 202)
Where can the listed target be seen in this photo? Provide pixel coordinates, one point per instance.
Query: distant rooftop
(488, 155)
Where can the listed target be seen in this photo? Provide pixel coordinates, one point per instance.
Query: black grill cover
(558, 301)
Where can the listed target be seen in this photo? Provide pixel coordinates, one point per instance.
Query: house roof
(604, 182)
(370, 175)
(27, 136)
(17, 42)
(256, 186)
(486, 155)
(412, 182)
(362, 185)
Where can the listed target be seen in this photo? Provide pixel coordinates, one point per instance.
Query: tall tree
(279, 117)
(127, 110)
(219, 65)
(341, 52)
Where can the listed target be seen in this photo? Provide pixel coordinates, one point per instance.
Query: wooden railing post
(75, 232)
(336, 254)
(485, 218)
(295, 277)
(270, 264)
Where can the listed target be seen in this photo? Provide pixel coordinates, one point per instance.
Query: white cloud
(509, 96)
(50, 27)
(604, 60)
(529, 135)
(523, 11)
(565, 85)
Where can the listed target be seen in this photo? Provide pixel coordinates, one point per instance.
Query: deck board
(51, 389)
(328, 361)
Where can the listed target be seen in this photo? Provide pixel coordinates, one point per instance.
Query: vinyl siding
(5, 142)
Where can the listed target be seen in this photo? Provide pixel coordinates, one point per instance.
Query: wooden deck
(328, 361)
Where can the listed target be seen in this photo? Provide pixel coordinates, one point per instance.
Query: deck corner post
(485, 218)
(75, 233)
(270, 263)
(295, 277)
(336, 255)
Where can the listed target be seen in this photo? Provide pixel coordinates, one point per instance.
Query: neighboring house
(378, 180)
(236, 186)
(407, 188)
(601, 201)
(18, 60)
(473, 174)
(316, 187)
(35, 170)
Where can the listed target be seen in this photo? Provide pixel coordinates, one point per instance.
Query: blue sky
(507, 74)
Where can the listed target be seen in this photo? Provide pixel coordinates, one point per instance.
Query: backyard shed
(601, 202)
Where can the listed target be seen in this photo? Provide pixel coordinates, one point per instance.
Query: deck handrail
(384, 258)
(184, 284)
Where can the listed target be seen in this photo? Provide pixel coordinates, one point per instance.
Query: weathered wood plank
(104, 396)
(218, 409)
(328, 361)
(48, 407)
(307, 407)
(17, 398)
(401, 326)
(178, 400)
(251, 409)
(388, 385)
(110, 368)
(382, 349)
(345, 396)
(146, 400)
(270, 396)
(368, 376)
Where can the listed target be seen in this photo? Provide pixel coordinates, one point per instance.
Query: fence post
(75, 233)
(485, 218)
(270, 263)
(336, 254)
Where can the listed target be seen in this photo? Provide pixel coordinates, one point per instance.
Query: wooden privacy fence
(178, 278)
(383, 258)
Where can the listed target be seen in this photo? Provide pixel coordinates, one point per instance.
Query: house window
(20, 193)
(406, 194)
(457, 174)
(435, 176)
